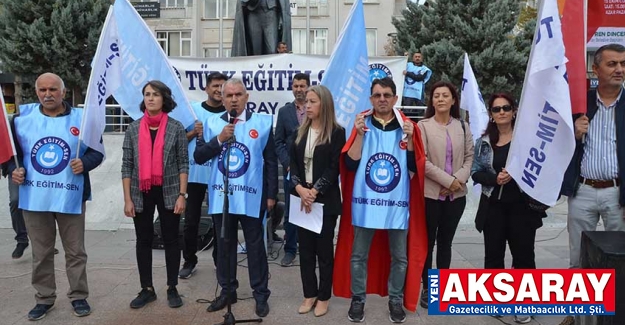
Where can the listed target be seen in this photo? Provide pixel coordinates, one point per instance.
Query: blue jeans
(399, 262)
(17, 219)
(290, 245)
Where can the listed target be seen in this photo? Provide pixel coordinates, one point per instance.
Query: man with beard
(290, 117)
(198, 174)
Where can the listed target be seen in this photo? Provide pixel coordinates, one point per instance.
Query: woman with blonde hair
(314, 174)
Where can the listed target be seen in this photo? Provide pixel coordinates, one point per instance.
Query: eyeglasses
(385, 95)
(497, 109)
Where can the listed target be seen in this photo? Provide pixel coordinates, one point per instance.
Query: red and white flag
(7, 146)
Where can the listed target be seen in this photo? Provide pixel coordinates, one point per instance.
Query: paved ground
(114, 282)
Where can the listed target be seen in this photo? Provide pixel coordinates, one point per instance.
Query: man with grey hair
(53, 188)
(592, 181)
(241, 147)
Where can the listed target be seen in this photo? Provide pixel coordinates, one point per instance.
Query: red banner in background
(572, 12)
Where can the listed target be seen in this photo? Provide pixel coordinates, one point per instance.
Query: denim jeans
(399, 262)
(17, 219)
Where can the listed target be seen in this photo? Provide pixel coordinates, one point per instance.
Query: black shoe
(424, 298)
(276, 238)
(145, 296)
(19, 250)
(81, 307)
(221, 302)
(262, 308)
(187, 270)
(356, 311)
(287, 260)
(39, 311)
(173, 298)
(396, 312)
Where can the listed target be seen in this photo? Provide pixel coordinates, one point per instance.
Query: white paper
(312, 221)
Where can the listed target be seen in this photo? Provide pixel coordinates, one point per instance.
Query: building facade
(204, 28)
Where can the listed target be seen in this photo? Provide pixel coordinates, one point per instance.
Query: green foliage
(57, 36)
(484, 29)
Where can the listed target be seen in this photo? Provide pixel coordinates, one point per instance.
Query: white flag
(472, 101)
(543, 141)
(104, 80)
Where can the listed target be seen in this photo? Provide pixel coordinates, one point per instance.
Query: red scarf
(151, 157)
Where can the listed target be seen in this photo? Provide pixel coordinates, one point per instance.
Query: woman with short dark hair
(155, 167)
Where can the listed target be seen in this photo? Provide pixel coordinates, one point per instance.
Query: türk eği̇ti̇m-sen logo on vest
(238, 162)
(379, 71)
(382, 173)
(50, 155)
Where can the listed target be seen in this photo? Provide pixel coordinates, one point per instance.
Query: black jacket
(325, 170)
(570, 183)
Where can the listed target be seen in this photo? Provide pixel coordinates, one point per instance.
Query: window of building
(175, 43)
(173, 3)
(372, 41)
(317, 7)
(318, 41)
(213, 52)
(211, 8)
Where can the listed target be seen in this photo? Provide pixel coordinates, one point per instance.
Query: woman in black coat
(314, 174)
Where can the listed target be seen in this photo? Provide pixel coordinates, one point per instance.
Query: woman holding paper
(503, 212)
(448, 145)
(314, 174)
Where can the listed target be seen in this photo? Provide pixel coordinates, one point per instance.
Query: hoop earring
(514, 116)
(492, 120)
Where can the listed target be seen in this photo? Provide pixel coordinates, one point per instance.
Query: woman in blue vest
(449, 149)
(155, 168)
(503, 213)
(314, 174)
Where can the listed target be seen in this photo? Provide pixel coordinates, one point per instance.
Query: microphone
(233, 117)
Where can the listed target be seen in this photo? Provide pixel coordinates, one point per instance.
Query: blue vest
(198, 173)
(381, 200)
(49, 143)
(413, 88)
(245, 165)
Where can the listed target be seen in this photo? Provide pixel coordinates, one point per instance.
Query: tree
(58, 36)
(484, 29)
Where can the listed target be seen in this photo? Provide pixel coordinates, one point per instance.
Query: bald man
(53, 188)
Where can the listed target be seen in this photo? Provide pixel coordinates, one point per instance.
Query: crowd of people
(398, 186)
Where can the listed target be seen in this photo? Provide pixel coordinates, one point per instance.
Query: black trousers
(256, 255)
(144, 229)
(442, 218)
(197, 194)
(315, 248)
(516, 224)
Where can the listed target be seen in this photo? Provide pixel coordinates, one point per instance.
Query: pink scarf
(151, 157)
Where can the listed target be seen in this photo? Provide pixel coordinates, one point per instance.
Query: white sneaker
(522, 319)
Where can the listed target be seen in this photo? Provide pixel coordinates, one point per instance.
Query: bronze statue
(259, 25)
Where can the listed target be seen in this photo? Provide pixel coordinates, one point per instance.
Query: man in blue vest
(382, 170)
(290, 117)
(252, 154)
(416, 76)
(198, 174)
(54, 186)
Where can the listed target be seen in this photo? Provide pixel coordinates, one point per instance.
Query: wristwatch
(185, 195)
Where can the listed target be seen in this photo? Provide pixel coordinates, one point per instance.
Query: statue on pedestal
(259, 25)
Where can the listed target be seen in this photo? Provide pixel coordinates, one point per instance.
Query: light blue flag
(143, 60)
(347, 73)
(105, 79)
